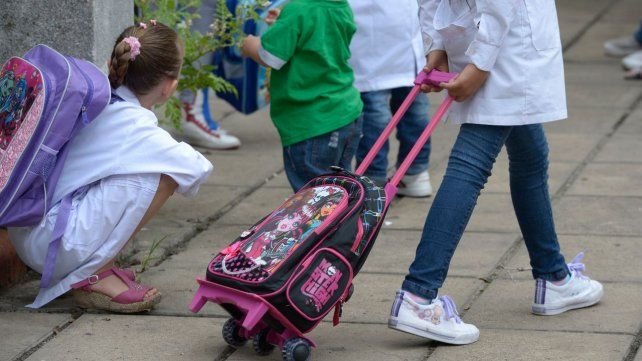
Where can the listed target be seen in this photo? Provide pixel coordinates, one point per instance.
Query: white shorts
(101, 221)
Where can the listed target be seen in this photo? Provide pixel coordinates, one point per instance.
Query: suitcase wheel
(296, 349)
(231, 333)
(261, 344)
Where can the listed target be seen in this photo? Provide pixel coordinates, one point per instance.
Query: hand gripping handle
(435, 77)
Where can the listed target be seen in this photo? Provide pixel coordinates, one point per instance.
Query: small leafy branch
(225, 31)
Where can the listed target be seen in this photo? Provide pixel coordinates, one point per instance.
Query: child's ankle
(563, 281)
(418, 299)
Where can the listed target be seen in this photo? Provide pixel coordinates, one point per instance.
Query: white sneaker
(578, 292)
(437, 321)
(633, 61)
(197, 132)
(417, 185)
(622, 46)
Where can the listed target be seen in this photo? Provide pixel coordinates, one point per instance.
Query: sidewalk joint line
(580, 33)
(635, 346)
(30, 350)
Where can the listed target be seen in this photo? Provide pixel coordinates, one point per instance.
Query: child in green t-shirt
(315, 107)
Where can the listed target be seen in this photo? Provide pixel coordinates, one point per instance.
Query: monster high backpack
(45, 99)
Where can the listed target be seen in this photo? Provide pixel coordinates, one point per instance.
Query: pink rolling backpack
(284, 274)
(45, 99)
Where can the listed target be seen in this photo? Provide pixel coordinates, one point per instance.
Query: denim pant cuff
(552, 276)
(417, 290)
(416, 169)
(638, 34)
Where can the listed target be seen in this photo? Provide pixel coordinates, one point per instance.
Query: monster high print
(285, 230)
(20, 84)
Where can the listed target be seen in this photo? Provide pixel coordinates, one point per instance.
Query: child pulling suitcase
(283, 275)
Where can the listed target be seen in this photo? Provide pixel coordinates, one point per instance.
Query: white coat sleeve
(432, 39)
(495, 21)
(153, 150)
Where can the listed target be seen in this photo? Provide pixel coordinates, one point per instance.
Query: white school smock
(518, 41)
(120, 155)
(386, 50)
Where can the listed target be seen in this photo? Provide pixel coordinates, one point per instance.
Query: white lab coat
(387, 50)
(518, 41)
(121, 156)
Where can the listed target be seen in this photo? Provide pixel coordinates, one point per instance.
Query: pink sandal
(131, 301)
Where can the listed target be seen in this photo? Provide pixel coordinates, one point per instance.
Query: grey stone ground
(597, 193)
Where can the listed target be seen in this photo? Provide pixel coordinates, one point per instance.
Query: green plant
(149, 257)
(225, 31)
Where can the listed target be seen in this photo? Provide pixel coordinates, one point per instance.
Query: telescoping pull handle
(435, 77)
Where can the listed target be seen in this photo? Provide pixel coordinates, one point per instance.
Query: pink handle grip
(435, 77)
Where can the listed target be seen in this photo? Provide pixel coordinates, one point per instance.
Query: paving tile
(395, 251)
(256, 206)
(518, 345)
(586, 51)
(590, 215)
(612, 179)
(586, 121)
(353, 342)
(607, 258)
(506, 304)
(135, 338)
(632, 125)
(571, 147)
(374, 293)
(620, 148)
(22, 330)
(604, 96)
(493, 213)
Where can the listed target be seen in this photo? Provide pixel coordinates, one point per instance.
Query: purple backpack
(45, 99)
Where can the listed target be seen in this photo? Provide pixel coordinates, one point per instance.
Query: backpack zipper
(90, 91)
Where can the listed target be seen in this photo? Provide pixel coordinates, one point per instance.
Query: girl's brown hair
(161, 56)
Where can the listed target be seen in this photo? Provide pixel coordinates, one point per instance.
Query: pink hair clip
(142, 25)
(153, 22)
(134, 46)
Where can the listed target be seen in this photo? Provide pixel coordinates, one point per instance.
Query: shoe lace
(450, 308)
(576, 267)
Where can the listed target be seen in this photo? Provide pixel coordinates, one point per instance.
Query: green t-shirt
(312, 93)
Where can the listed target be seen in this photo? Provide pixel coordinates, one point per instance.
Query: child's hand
(250, 49)
(466, 84)
(272, 15)
(249, 44)
(437, 59)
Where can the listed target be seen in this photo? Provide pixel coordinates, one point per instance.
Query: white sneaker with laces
(197, 132)
(622, 46)
(437, 321)
(578, 292)
(633, 61)
(416, 185)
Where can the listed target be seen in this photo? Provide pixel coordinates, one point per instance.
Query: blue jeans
(313, 157)
(638, 34)
(378, 107)
(469, 167)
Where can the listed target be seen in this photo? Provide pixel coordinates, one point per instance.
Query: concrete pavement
(595, 181)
